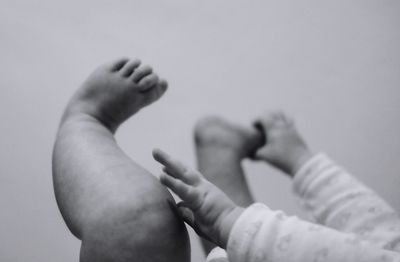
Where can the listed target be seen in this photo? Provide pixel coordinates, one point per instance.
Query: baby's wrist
(303, 157)
(228, 219)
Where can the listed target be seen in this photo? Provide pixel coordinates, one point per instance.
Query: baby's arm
(258, 233)
(336, 199)
(330, 195)
(261, 234)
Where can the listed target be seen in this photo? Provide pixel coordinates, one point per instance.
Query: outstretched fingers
(181, 180)
(189, 194)
(170, 163)
(176, 169)
(176, 185)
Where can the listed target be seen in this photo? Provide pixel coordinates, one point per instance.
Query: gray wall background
(333, 65)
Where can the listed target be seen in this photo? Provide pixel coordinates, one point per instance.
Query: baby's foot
(284, 147)
(220, 147)
(215, 132)
(116, 91)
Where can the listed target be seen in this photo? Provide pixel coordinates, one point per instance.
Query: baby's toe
(130, 67)
(155, 93)
(148, 82)
(117, 64)
(140, 73)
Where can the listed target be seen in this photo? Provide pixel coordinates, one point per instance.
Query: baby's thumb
(186, 214)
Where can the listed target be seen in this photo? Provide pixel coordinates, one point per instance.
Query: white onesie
(355, 224)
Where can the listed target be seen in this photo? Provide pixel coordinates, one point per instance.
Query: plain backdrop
(333, 65)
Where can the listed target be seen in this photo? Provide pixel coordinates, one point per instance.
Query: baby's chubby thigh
(137, 226)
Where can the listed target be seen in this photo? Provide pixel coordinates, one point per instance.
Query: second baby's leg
(220, 147)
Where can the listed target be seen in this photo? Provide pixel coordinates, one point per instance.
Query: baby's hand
(205, 207)
(285, 148)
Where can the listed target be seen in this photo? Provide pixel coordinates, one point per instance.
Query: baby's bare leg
(220, 148)
(118, 210)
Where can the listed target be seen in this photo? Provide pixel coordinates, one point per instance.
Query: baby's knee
(135, 232)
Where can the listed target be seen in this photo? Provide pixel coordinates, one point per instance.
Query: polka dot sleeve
(264, 235)
(333, 197)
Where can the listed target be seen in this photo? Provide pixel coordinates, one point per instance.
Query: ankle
(222, 154)
(81, 112)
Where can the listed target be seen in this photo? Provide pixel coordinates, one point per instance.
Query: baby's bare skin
(284, 148)
(220, 148)
(118, 210)
(116, 91)
(205, 207)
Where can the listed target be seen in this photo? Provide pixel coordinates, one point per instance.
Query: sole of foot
(216, 132)
(117, 90)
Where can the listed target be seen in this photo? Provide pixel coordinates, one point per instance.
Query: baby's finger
(174, 166)
(190, 177)
(266, 121)
(177, 186)
(187, 193)
(171, 173)
(184, 191)
(188, 216)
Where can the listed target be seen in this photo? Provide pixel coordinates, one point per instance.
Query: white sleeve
(334, 198)
(263, 235)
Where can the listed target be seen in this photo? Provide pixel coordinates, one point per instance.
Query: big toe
(154, 92)
(147, 82)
